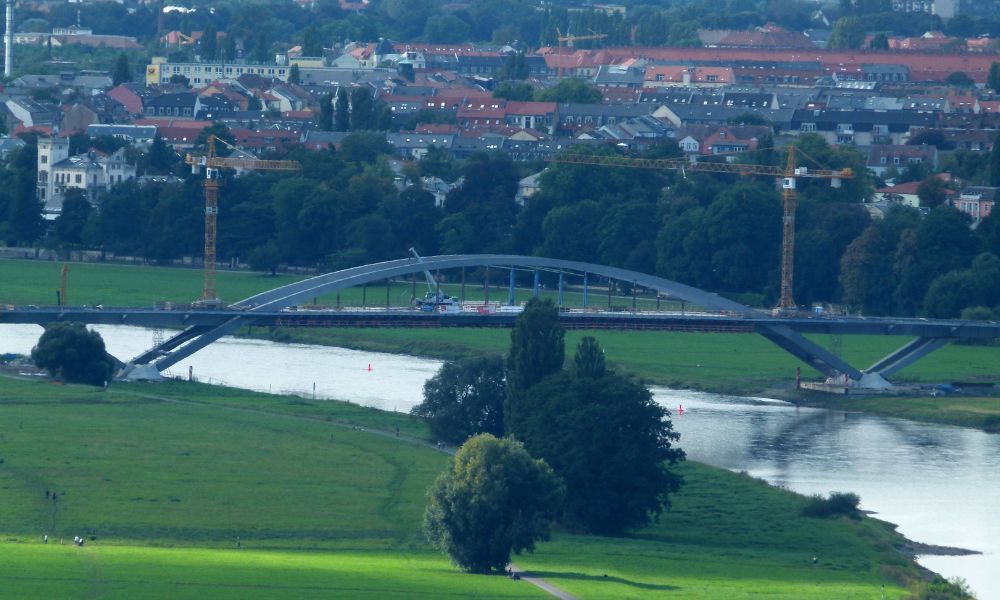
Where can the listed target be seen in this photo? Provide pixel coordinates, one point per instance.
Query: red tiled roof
(923, 66)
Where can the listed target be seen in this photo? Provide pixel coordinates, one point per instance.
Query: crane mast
(213, 163)
(788, 174)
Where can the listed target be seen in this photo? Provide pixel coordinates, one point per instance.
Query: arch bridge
(786, 333)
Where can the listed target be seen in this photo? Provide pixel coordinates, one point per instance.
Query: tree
(537, 350)
(70, 352)
(161, 156)
(493, 500)
(959, 79)
(879, 42)
(326, 113)
(612, 444)
(342, 113)
(514, 67)
(515, 91)
(122, 72)
(995, 162)
(993, 79)
(464, 398)
(265, 258)
(570, 89)
(931, 192)
(363, 116)
(294, 77)
(848, 34)
(209, 42)
(71, 220)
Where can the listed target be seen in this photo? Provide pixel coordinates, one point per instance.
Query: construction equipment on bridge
(788, 175)
(212, 163)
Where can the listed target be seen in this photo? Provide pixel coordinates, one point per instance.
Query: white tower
(8, 45)
(51, 151)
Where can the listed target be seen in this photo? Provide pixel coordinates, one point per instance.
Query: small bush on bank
(839, 504)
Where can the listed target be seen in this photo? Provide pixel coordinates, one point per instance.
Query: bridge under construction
(202, 326)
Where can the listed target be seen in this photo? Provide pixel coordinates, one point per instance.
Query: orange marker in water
(680, 409)
(369, 367)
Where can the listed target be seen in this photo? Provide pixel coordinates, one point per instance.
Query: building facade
(91, 172)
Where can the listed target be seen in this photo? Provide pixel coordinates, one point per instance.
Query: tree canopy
(607, 438)
(72, 353)
(464, 398)
(494, 500)
(537, 350)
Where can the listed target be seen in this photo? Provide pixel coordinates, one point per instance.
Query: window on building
(44, 159)
(79, 178)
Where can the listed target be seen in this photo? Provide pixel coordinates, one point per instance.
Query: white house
(92, 172)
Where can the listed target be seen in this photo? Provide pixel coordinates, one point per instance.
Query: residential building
(882, 158)
(91, 172)
(977, 202)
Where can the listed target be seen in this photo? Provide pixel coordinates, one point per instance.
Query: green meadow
(326, 501)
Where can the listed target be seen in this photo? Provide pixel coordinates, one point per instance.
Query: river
(937, 483)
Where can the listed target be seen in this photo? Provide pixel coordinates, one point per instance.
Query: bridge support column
(560, 288)
(510, 289)
(906, 356)
(808, 352)
(534, 290)
(585, 290)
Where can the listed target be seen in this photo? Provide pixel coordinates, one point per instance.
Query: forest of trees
(717, 232)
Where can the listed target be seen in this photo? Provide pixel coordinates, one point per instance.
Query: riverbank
(174, 472)
(729, 363)
(978, 412)
(724, 363)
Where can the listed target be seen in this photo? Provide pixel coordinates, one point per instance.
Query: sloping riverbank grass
(980, 412)
(327, 502)
(721, 362)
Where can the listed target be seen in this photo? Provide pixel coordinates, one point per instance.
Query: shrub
(839, 504)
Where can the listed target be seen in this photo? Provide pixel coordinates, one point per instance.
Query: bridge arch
(308, 289)
(194, 338)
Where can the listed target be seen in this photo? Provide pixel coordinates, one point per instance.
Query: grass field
(327, 502)
(36, 282)
(966, 411)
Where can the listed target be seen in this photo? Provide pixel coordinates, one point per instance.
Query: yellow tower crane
(569, 39)
(788, 175)
(212, 163)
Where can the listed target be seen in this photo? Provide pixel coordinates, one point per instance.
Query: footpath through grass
(327, 502)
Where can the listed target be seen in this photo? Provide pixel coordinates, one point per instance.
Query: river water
(937, 483)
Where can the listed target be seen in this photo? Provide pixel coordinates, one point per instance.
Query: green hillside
(326, 500)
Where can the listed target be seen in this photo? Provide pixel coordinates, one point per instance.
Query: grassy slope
(966, 411)
(322, 508)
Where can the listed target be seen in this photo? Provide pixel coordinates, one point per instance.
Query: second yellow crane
(788, 175)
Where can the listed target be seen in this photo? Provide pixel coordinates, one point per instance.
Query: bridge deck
(572, 319)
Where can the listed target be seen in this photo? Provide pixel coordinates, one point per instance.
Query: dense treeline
(718, 232)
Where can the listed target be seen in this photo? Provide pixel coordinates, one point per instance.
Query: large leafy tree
(69, 224)
(123, 72)
(494, 500)
(464, 398)
(72, 353)
(607, 438)
(943, 242)
(537, 350)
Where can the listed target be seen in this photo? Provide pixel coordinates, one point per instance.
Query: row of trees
(606, 447)
(717, 232)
